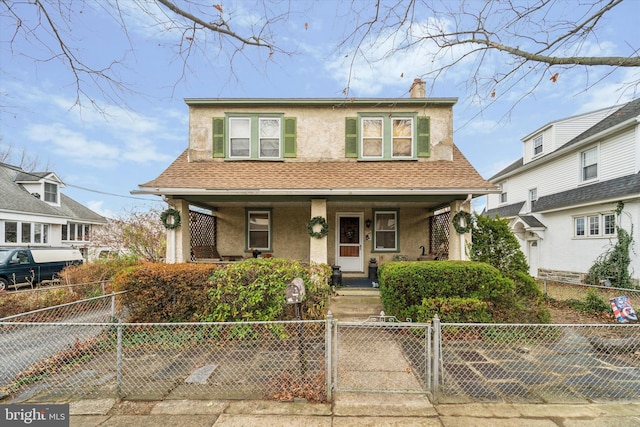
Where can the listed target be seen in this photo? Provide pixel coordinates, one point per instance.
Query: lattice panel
(439, 234)
(204, 229)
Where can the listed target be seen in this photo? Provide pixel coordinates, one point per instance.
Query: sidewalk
(348, 410)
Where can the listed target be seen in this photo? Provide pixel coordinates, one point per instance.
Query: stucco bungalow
(336, 181)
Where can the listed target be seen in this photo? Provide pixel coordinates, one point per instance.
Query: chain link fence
(280, 360)
(383, 355)
(537, 363)
(83, 349)
(99, 309)
(560, 291)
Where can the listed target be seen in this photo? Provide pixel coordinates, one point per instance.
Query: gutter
(316, 192)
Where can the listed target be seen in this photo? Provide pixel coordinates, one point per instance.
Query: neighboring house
(34, 212)
(383, 173)
(562, 195)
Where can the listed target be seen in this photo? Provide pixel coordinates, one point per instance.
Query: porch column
(318, 247)
(458, 242)
(179, 239)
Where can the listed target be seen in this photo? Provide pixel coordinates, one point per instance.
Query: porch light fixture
(368, 223)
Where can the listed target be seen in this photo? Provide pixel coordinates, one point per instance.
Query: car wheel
(4, 284)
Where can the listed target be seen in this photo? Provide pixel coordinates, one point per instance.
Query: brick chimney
(417, 89)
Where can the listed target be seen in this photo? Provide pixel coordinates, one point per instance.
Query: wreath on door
(164, 216)
(468, 220)
(324, 230)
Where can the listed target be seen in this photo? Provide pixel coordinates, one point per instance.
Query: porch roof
(324, 178)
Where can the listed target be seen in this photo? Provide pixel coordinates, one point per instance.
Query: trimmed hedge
(254, 290)
(161, 292)
(459, 291)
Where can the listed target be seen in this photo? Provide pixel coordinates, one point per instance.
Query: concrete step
(355, 304)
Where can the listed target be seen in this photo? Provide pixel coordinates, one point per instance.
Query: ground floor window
(594, 225)
(259, 230)
(76, 232)
(385, 233)
(25, 232)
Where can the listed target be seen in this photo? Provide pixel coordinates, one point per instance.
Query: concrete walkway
(348, 410)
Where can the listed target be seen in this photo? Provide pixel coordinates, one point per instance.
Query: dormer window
(537, 145)
(50, 192)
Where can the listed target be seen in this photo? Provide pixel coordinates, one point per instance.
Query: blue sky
(100, 153)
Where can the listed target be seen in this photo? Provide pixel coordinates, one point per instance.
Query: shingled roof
(329, 175)
(611, 189)
(16, 198)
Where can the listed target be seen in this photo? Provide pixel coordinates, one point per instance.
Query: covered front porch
(358, 229)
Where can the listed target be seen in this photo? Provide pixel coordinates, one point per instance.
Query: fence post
(119, 361)
(113, 307)
(436, 358)
(328, 346)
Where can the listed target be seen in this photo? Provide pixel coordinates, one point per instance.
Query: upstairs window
(254, 136)
(537, 145)
(50, 192)
(503, 197)
(387, 137)
(533, 197)
(589, 164)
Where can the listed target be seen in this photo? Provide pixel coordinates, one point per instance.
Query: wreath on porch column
(164, 216)
(468, 220)
(318, 220)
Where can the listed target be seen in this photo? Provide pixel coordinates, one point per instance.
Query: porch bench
(204, 252)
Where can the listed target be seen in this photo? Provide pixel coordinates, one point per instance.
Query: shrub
(96, 271)
(493, 242)
(404, 286)
(454, 310)
(254, 290)
(161, 292)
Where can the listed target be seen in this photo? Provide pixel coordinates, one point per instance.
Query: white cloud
(73, 145)
(98, 207)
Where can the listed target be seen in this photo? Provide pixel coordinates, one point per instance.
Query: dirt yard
(563, 314)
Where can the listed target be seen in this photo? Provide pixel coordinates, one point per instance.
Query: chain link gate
(381, 355)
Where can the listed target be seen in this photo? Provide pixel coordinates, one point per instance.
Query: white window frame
(72, 231)
(51, 192)
(399, 137)
(584, 165)
(378, 229)
(26, 232)
(269, 230)
(253, 134)
(261, 138)
(503, 197)
(237, 134)
(533, 197)
(537, 145)
(364, 138)
(594, 225)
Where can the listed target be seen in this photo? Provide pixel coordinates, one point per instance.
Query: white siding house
(561, 196)
(34, 212)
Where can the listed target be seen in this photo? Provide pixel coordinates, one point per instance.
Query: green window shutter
(218, 137)
(423, 135)
(290, 136)
(351, 137)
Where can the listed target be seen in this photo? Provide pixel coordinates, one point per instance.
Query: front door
(349, 242)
